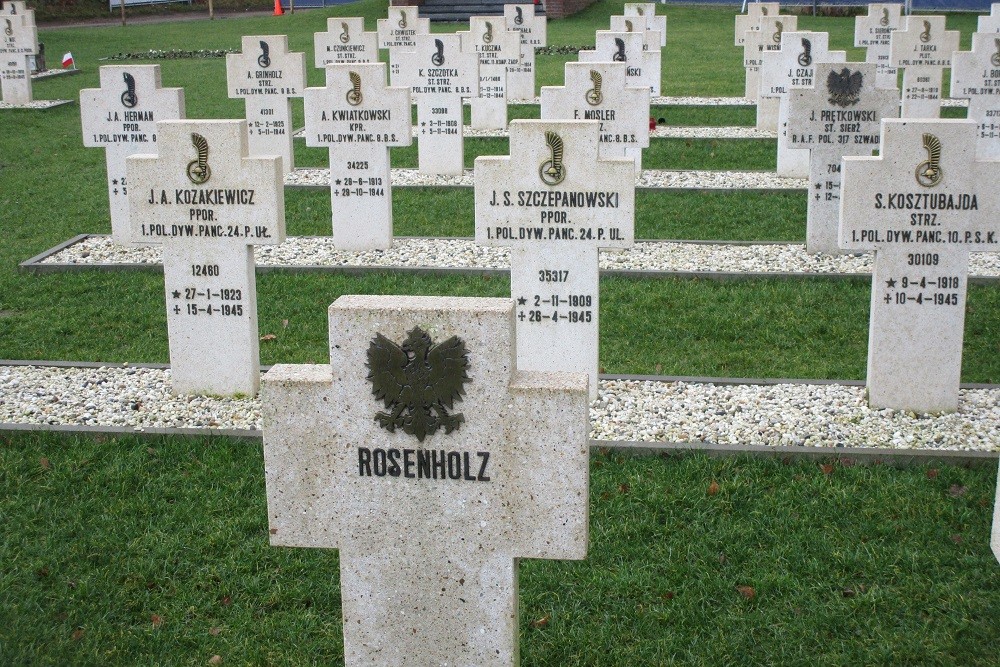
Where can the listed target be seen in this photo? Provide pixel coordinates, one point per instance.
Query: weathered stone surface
(359, 118)
(923, 206)
(267, 75)
(923, 48)
(121, 117)
(872, 32)
(841, 115)
(429, 529)
(345, 41)
(555, 203)
(208, 202)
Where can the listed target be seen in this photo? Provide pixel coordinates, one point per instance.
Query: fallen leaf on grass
(669, 595)
(848, 593)
(226, 601)
(747, 591)
(932, 473)
(44, 462)
(284, 324)
(214, 631)
(624, 488)
(157, 620)
(827, 468)
(957, 539)
(957, 490)
(266, 337)
(77, 634)
(713, 488)
(42, 572)
(215, 660)
(540, 623)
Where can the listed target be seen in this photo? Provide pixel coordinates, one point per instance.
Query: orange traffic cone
(277, 8)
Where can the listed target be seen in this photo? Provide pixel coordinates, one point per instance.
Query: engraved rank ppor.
(354, 97)
(929, 172)
(619, 55)
(438, 58)
(805, 58)
(553, 171)
(420, 379)
(264, 59)
(345, 34)
(884, 21)
(129, 98)
(402, 21)
(594, 96)
(518, 16)
(628, 26)
(198, 170)
(995, 58)
(779, 28)
(844, 87)
(925, 36)
(488, 35)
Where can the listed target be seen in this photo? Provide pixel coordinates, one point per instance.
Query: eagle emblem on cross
(419, 382)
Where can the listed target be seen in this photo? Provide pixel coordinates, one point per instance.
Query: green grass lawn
(128, 551)
(155, 552)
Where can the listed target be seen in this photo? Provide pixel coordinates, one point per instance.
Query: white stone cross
(923, 49)
(121, 117)
(433, 464)
(650, 44)
(18, 41)
(767, 37)
(872, 32)
(841, 115)
(555, 203)
(750, 22)
(625, 47)
(399, 29)
(439, 73)
(792, 67)
(534, 34)
(976, 75)
(267, 75)
(345, 41)
(989, 22)
(922, 206)
(598, 91)
(359, 118)
(208, 203)
(654, 22)
(498, 50)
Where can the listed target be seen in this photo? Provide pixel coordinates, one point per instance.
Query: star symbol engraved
(521, 301)
(337, 182)
(176, 294)
(891, 282)
(819, 186)
(114, 181)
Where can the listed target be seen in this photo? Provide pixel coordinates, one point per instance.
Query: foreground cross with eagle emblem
(430, 508)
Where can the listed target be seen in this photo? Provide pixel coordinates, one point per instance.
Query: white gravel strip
(648, 178)
(467, 254)
(49, 73)
(661, 132)
(36, 104)
(625, 410)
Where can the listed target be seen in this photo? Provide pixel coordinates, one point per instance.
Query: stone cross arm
(948, 198)
(510, 478)
(203, 185)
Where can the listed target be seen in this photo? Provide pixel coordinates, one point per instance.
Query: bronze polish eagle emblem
(419, 381)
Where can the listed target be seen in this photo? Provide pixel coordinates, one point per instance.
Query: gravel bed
(49, 73)
(467, 254)
(35, 104)
(625, 410)
(648, 178)
(661, 132)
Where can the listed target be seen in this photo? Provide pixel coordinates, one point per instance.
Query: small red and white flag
(68, 61)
